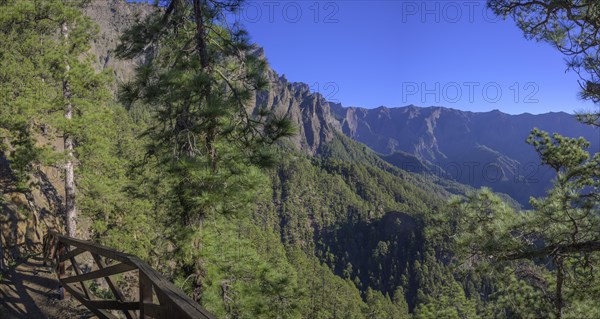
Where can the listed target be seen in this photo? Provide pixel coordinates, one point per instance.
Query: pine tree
(50, 84)
(197, 82)
(562, 229)
(572, 28)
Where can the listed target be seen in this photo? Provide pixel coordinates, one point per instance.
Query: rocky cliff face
(310, 113)
(113, 18)
(25, 215)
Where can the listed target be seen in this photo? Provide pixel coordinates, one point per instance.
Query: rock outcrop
(309, 112)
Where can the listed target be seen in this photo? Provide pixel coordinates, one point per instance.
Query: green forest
(179, 166)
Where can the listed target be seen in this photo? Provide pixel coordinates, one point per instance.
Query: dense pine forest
(243, 189)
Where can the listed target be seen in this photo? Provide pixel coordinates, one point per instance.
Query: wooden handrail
(172, 301)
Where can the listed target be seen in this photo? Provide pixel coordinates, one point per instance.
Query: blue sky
(394, 53)
(399, 52)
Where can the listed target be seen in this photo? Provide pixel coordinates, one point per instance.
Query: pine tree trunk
(70, 208)
(201, 47)
(560, 277)
(200, 37)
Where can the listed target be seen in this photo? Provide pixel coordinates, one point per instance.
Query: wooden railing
(106, 262)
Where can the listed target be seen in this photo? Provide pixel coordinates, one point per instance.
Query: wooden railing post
(45, 253)
(2, 266)
(61, 270)
(145, 294)
(49, 249)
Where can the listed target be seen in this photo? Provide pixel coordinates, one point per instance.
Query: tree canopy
(572, 27)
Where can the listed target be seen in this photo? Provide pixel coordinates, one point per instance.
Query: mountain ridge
(452, 109)
(474, 148)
